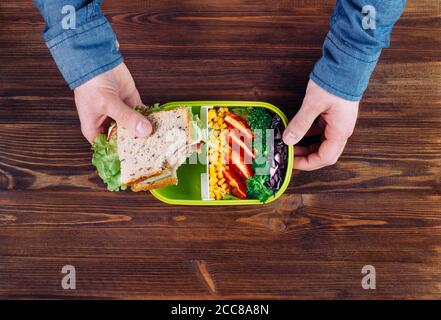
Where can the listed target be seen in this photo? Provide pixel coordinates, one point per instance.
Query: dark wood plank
(310, 246)
(379, 205)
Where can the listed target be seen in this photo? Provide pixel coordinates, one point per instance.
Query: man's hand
(111, 94)
(321, 114)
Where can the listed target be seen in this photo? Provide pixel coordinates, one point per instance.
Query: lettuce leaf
(105, 159)
(243, 112)
(195, 127)
(144, 110)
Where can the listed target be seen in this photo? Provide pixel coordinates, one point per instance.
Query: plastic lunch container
(193, 178)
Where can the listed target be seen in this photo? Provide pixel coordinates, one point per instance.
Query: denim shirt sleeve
(82, 52)
(350, 51)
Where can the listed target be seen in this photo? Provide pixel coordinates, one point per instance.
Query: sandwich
(123, 160)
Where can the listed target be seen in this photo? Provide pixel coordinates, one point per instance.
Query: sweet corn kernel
(211, 113)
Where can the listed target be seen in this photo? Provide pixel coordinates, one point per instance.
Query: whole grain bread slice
(144, 158)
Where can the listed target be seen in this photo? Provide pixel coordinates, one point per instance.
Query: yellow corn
(217, 153)
(211, 113)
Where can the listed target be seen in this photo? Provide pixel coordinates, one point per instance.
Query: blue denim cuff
(342, 70)
(85, 52)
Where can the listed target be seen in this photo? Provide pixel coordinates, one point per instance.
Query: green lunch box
(189, 190)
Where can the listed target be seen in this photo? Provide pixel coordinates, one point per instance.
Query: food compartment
(244, 160)
(247, 157)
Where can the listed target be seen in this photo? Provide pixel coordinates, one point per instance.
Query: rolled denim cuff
(85, 52)
(342, 70)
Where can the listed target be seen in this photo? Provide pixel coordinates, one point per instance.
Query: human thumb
(300, 124)
(131, 120)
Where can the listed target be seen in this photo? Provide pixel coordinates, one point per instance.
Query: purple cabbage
(280, 159)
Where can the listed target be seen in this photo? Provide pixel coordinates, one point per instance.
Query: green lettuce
(105, 159)
(195, 127)
(144, 110)
(242, 112)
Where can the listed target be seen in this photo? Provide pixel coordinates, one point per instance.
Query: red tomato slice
(238, 164)
(238, 188)
(238, 123)
(236, 141)
(244, 170)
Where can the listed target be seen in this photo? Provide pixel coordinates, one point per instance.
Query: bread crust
(188, 125)
(169, 181)
(140, 179)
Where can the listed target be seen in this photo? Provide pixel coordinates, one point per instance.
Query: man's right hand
(322, 114)
(111, 94)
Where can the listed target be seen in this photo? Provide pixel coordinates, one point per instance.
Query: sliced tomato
(245, 145)
(238, 188)
(244, 170)
(238, 164)
(238, 123)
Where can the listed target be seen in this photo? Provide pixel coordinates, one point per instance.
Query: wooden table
(380, 205)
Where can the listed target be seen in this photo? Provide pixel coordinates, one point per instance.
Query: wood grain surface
(380, 205)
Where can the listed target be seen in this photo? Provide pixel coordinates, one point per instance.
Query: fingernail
(289, 138)
(143, 128)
